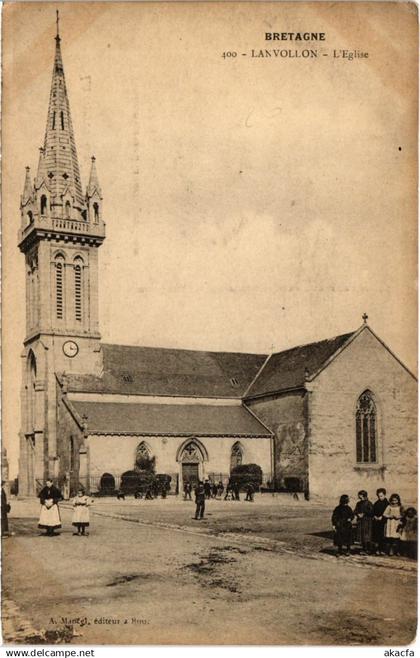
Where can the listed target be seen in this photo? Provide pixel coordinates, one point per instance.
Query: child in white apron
(81, 504)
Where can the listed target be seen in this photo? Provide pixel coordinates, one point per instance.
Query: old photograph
(209, 345)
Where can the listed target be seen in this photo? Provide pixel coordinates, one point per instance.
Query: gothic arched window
(71, 454)
(236, 455)
(62, 120)
(366, 429)
(144, 459)
(31, 373)
(67, 210)
(96, 212)
(43, 205)
(59, 287)
(78, 289)
(30, 216)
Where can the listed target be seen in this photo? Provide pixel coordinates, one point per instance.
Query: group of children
(381, 528)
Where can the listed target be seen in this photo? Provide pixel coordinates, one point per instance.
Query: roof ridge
(315, 342)
(183, 349)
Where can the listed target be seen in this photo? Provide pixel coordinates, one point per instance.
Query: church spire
(60, 155)
(93, 184)
(41, 175)
(27, 187)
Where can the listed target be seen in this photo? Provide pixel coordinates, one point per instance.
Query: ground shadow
(326, 534)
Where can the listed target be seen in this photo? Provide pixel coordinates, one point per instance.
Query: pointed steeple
(41, 175)
(93, 184)
(60, 155)
(27, 187)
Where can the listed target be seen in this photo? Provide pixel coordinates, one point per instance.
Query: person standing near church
(49, 518)
(364, 513)
(81, 512)
(5, 509)
(379, 521)
(200, 501)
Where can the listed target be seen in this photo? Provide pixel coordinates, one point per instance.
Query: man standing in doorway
(200, 501)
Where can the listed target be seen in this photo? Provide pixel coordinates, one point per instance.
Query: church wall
(116, 454)
(284, 414)
(69, 441)
(364, 364)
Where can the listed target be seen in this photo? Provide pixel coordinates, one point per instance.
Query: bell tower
(60, 233)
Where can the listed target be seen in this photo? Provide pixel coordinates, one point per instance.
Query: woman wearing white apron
(49, 519)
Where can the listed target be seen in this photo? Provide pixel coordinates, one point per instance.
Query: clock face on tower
(70, 348)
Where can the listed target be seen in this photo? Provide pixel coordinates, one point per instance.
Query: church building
(326, 418)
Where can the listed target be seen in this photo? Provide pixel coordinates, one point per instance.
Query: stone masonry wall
(284, 414)
(364, 364)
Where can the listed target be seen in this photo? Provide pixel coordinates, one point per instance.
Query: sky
(251, 204)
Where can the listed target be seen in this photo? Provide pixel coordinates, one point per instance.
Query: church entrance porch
(191, 456)
(190, 474)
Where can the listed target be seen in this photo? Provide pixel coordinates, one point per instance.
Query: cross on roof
(365, 317)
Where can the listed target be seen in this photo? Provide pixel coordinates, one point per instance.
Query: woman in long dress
(341, 520)
(364, 513)
(49, 518)
(81, 512)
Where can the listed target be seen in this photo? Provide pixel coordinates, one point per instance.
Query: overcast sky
(251, 204)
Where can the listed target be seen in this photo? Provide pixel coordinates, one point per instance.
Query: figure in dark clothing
(379, 522)
(214, 490)
(138, 494)
(250, 492)
(207, 489)
(187, 491)
(149, 495)
(408, 533)
(120, 494)
(341, 519)
(236, 490)
(200, 501)
(220, 489)
(229, 492)
(5, 509)
(364, 513)
(49, 518)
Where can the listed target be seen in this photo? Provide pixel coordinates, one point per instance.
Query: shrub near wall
(245, 474)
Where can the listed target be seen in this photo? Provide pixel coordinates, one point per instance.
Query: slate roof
(160, 371)
(175, 419)
(285, 370)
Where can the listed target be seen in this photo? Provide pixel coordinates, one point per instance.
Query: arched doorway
(107, 484)
(191, 456)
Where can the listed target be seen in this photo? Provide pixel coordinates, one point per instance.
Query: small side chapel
(325, 418)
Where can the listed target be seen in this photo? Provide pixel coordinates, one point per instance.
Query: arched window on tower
(78, 289)
(62, 120)
(366, 429)
(43, 205)
(71, 454)
(29, 216)
(67, 210)
(236, 455)
(30, 387)
(96, 212)
(53, 121)
(59, 287)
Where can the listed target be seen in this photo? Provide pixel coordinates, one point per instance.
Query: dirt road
(132, 582)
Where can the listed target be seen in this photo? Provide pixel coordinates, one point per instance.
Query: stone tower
(61, 230)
